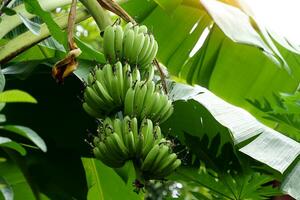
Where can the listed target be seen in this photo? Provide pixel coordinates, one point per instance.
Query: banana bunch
(119, 140)
(133, 45)
(144, 100)
(107, 87)
(125, 86)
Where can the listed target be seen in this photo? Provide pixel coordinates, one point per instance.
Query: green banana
(119, 143)
(163, 151)
(134, 126)
(108, 160)
(147, 132)
(166, 105)
(128, 26)
(141, 94)
(150, 158)
(109, 44)
(131, 143)
(129, 102)
(119, 34)
(168, 170)
(90, 79)
(118, 128)
(167, 114)
(91, 111)
(167, 162)
(143, 29)
(103, 94)
(128, 44)
(148, 51)
(109, 75)
(113, 149)
(148, 100)
(157, 132)
(93, 100)
(137, 47)
(127, 77)
(156, 105)
(145, 48)
(150, 57)
(136, 76)
(120, 78)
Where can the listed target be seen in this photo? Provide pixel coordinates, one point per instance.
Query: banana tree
(221, 46)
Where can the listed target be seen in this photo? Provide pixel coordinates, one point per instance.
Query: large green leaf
(104, 183)
(195, 49)
(269, 146)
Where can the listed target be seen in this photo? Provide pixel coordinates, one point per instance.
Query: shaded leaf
(10, 96)
(6, 189)
(8, 143)
(27, 133)
(8, 11)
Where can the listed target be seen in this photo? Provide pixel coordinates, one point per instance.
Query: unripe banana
(118, 127)
(163, 152)
(143, 29)
(168, 170)
(91, 112)
(90, 79)
(120, 78)
(150, 57)
(119, 34)
(109, 44)
(113, 149)
(167, 162)
(122, 150)
(137, 47)
(150, 158)
(149, 51)
(145, 48)
(111, 161)
(128, 44)
(128, 26)
(129, 102)
(136, 75)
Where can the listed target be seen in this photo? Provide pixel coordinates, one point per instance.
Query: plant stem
(26, 40)
(100, 16)
(10, 22)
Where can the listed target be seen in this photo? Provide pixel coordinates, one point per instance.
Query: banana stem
(100, 16)
(139, 180)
